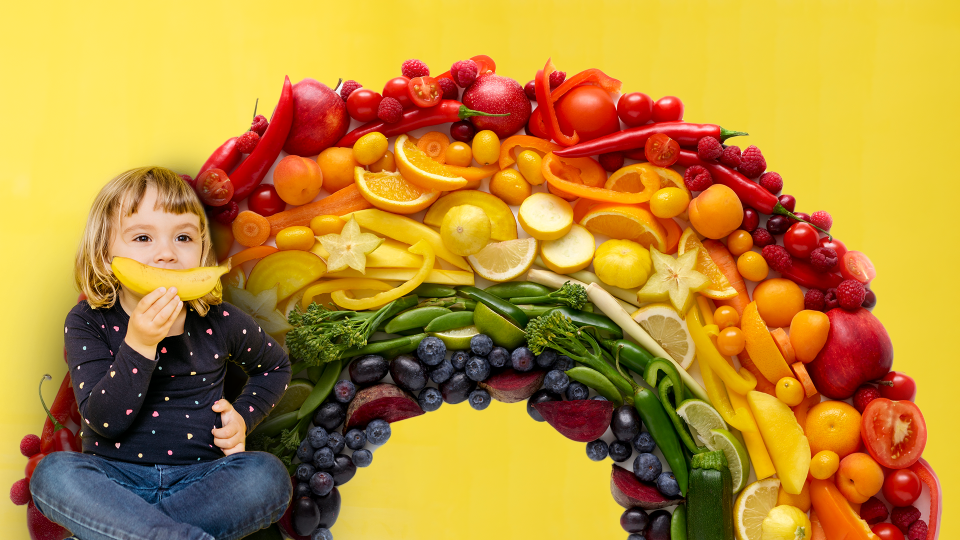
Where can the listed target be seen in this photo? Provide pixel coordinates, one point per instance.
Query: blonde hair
(123, 194)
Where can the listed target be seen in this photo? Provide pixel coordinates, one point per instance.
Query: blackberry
(457, 388)
(547, 359)
(459, 360)
(481, 344)
(540, 396)
(498, 357)
(620, 451)
(304, 472)
(597, 450)
(647, 467)
(378, 431)
(667, 484)
(344, 391)
(479, 399)
(355, 439)
(323, 458)
(336, 442)
(430, 399)
(442, 372)
(477, 369)
(431, 351)
(522, 359)
(318, 437)
(305, 451)
(321, 483)
(644, 442)
(556, 381)
(362, 458)
(577, 390)
(329, 415)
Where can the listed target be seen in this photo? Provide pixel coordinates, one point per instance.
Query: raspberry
(917, 531)
(861, 398)
(730, 156)
(777, 257)
(762, 237)
(530, 89)
(259, 124)
(390, 110)
(247, 142)
(557, 78)
(822, 219)
(814, 300)
(850, 294)
(20, 492)
(709, 148)
(464, 72)
(348, 87)
(449, 88)
(873, 511)
(771, 182)
(752, 163)
(830, 299)
(30, 445)
(611, 161)
(414, 68)
(904, 516)
(227, 213)
(824, 259)
(697, 178)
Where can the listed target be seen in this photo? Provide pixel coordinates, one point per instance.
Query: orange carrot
(816, 532)
(782, 340)
(250, 229)
(252, 253)
(724, 260)
(434, 144)
(342, 202)
(801, 372)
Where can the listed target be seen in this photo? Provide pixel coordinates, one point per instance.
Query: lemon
(545, 216)
(503, 332)
(570, 253)
(465, 229)
(786, 522)
(503, 225)
(504, 261)
(738, 461)
(752, 506)
(457, 339)
(293, 398)
(622, 263)
(666, 327)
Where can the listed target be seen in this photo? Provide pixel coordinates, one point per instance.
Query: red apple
(319, 119)
(858, 350)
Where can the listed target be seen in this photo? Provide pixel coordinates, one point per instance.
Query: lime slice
(503, 332)
(701, 418)
(294, 397)
(737, 459)
(457, 339)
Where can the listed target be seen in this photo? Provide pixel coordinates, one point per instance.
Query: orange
(716, 212)
(420, 169)
(626, 222)
(390, 191)
(719, 288)
(778, 300)
(633, 178)
(808, 334)
(834, 426)
(859, 478)
(337, 165)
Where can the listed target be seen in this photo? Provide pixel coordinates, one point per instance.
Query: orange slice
(390, 191)
(419, 169)
(626, 222)
(719, 288)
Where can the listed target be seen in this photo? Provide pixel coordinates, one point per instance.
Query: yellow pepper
(708, 354)
(322, 287)
(422, 247)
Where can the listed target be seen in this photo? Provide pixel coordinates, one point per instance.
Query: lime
(737, 459)
(457, 339)
(701, 418)
(293, 398)
(503, 332)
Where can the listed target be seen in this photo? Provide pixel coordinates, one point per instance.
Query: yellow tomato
(669, 202)
(739, 242)
(789, 391)
(486, 147)
(529, 163)
(824, 464)
(329, 224)
(296, 237)
(459, 154)
(752, 266)
(725, 317)
(370, 148)
(510, 186)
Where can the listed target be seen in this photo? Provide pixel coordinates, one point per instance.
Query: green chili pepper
(629, 354)
(605, 326)
(273, 425)
(661, 429)
(662, 365)
(432, 290)
(455, 319)
(414, 318)
(513, 289)
(389, 348)
(671, 386)
(596, 380)
(322, 388)
(498, 305)
(664, 389)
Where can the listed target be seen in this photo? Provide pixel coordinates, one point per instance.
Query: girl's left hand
(232, 437)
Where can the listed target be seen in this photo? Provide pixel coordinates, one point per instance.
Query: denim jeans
(100, 499)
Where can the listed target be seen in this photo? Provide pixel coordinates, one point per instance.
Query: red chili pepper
(59, 414)
(803, 274)
(684, 133)
(449, 110)
(64, 441)
(251, 172)
(224, 158)
(928, 477)
(32, 464)
(484, 62)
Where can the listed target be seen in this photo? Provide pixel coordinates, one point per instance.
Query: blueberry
(323, 458)
(522, 359)
(647, 467)
(459, 360)
(620, 451)
(362, 458)
(644, 442)
(667, 484)
(599, 398)
(430, 399)
(305, 471)
(355, 439)
(431, 351)
(481, 344)
(344, 391)
(479, 399)
(336, 442)
(302, 490)
(625, 423)
(540, 396)
(321, 483)
(577, 390)
(556, 381)
(322, 533)
(498, 357)
(659, 528)
(547, 359)
(378, 431)
(477, 369)
(329, 415)
(634, 520)
(305, 451)
(563, 363)
(597, 450)
(318, 437)
(408, 372)
(442, 372)
(457, 388)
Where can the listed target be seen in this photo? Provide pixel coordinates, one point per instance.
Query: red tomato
(887, 531)
(362, 104)
(397, 89)
(668, 109)
(902, 488)
(214, 187)
(800, 239)
(33, 462)
(635, 109)
(903, 387)
(894, 432)
(856, 265)
(834, 244)
(424, 91)
(589, 111)
(661, 150)
(265, 201)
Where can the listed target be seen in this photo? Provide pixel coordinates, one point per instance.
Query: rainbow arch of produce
(375, 235)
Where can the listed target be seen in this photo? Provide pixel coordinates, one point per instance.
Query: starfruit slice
(674, 280)
(349, 248)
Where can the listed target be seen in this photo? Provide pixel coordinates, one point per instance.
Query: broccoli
(284, 446)
(570, 294)
(320, 335)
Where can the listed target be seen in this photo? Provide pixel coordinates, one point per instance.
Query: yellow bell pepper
(322, 287)
(423, 248)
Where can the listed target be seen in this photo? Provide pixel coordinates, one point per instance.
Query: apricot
(778, 300)
(716, 212)
(835, 426)
(297, 179)
(337, 165)
(808, 334)
(859, 477)
(801, 501)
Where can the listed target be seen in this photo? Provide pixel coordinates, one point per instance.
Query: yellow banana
(191, 284)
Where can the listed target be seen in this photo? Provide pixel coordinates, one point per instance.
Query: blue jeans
(100, 499)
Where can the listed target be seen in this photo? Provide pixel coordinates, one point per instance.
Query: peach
(297, 179)
(808, 334)
(716, 212)
(859, 477)
(778, 300)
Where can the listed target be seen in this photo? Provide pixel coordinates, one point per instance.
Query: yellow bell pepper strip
(406, 230)
(838, 519)
(323, 287)
(436, 276)
(753, 440)
(553, 168)
(423, 248)
(708, 354)
(551, 123)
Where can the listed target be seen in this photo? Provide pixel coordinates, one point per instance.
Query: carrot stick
(801, 372)
(250, 254)
(339, 203)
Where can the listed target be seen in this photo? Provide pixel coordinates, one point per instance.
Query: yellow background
(854, 103)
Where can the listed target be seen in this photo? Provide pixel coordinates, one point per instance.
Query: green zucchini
(710, 498)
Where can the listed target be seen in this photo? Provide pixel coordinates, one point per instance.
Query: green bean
(455, 319)
(389, 348)
(432, 290)
(596, 380)
(322, 388)
(414, 318)
(513, 289)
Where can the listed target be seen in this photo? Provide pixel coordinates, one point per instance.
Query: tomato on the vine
(856, 265)
(589, 111)
(900, 387)
(894, 432)
(424, 91)
(397, 89)
(661, 150)
(902, 487)
(668, 109)
(214, 187)
(887, 531)
(801, 239)
(635, 109)
(265, 201)
(362, 104)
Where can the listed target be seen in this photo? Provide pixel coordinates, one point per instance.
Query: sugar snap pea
(456, 319)
(432, 290)
(322, 388)
(274, 425)
(596, 380)
(414, 318)
(513, 289)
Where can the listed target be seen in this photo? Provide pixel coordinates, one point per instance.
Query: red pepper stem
(56, 425)
(780, 210)
(465, 113)
(727, 133)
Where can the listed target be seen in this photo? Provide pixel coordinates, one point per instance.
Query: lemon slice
(419, 168)
(570, 253)
(545, 216)
(504, 261)
(719, 287)
(666, 327)
(752, 507)
(390, 191)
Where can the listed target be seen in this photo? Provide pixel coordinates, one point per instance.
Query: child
(148, 373)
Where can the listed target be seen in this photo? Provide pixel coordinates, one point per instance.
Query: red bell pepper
(545, 102)
(251, 172)
(928, 477)
(224, 158)
(537, 125)
(58, 414)
(449, 110)
(803, 274)
(684, 133)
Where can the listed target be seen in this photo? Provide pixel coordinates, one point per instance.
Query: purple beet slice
(386, 401)
(511, 386)
(581, 420)
(630, 492)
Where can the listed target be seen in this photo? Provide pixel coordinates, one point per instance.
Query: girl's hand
(231, 438)
(152, 319)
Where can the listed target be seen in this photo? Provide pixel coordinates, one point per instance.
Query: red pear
(858, 350)
(319, 119)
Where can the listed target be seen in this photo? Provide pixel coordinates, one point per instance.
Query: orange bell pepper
(249, 254)
(558, 174)
(544, 101)
(837, 518)
(507, 157)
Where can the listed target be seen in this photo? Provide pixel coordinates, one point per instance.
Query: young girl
(163, 453)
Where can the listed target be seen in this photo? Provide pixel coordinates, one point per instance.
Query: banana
(191, 284)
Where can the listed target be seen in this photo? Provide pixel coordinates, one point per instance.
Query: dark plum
(577, 390)
(462, 131)
(369, 369)
(442, 372)
(457, 388)
(329, 415)
(659, 528)
(408, 372)
(634, 520)
(343, 469)
(329, 506)
(540, 396)
(305, 516)
(626, 423)
(778, 224)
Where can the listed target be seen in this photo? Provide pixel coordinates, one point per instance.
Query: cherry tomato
(214, 187)
(661, 150)
(856, 265)
(894, 432)
(903, 387)
(32, 463)
(265, 201)
(834, 244)
(362, 104)
(635, 109)
(397, 89)
(424, 91)
(64, 441)
(902, 488)
(887, 531)
(668, 109)
(801, 239)
(589, 111)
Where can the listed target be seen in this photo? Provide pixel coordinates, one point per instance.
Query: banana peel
(191, 284)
